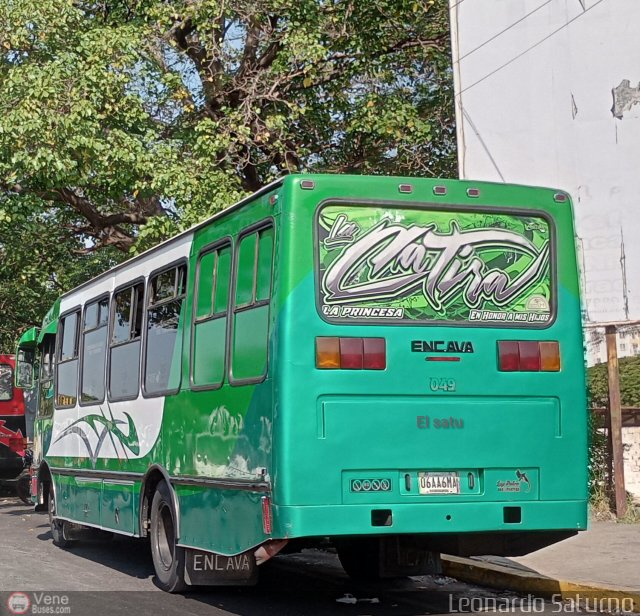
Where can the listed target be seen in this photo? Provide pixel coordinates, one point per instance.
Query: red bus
(13, 442)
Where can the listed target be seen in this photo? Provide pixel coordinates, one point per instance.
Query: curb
(522, 581)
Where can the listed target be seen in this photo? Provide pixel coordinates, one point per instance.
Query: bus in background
(394, 364)
(13, 441)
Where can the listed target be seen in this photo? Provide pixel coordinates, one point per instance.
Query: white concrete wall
(534, 83)
(631, 442)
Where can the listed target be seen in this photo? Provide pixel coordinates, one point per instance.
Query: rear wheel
(23, 487)
(168, 557)
(360, 558)
(57, 526)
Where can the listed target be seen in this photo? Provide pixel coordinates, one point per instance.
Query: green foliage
(598, 391)
(598, 384)
(121, 111)
(38, 260)
(122, 122)
(598, 458)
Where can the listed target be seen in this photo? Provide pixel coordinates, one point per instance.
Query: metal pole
(615, 411)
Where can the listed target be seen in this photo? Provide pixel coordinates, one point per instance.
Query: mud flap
(210, 569)
(403, 556)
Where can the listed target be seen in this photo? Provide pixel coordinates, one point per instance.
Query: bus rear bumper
(464, 529)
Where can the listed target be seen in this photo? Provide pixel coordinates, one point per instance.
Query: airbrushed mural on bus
(394, 364)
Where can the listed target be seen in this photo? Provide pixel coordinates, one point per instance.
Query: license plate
(439, 483)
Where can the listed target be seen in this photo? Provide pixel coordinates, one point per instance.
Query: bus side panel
(217, 442)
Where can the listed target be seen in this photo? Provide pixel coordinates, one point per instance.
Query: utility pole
(623, 266)
(615, 412)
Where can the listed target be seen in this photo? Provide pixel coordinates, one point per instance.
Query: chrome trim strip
(205, 482)
(93, 474)
(224, 484)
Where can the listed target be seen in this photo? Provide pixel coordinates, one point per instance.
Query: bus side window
(254, 273)
(47, 366)
(6, 383)
(67, 365)
(125, 343)
(210, 324)
(94, 348)
(163, 340)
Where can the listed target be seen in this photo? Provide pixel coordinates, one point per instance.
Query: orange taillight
(549, 356)
(328, 353)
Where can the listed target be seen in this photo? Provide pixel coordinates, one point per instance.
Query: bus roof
(266, 189)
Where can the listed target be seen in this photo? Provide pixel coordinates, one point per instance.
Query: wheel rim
(165, 537)
(52, 513)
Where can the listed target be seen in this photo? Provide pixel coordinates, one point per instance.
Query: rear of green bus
(429, 374)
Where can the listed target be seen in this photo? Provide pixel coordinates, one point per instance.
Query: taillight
(375, 354)
(549, 356)
(351, 353)
(528, 356)
(267, 519)
(529, 352)
(351, 350)
(327, 353)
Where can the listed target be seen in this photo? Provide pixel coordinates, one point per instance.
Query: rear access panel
(499, 449)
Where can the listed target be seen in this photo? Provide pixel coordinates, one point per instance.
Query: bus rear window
(398, 264)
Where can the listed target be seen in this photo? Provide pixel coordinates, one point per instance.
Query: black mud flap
(209, 569)
(403, 556)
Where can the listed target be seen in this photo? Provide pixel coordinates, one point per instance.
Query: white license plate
(445, 482)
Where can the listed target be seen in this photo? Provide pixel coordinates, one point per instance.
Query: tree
(35, 266)
(125, 113)
(598, 383)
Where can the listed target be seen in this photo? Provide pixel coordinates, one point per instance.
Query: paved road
(117, 578)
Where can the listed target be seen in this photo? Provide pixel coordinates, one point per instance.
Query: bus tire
(23, 487)
(57, 526)
(168, 557)
(360, 558)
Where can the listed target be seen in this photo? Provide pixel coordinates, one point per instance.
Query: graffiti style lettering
(400, 260)
(341, 232)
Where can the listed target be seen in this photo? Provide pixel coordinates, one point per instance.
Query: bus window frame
(458, 207)
(83, 332)
(40, 413)
(58, 350)
(217, 245)
(147, 306)
(130, 284)
(265, 223)
(13, 388)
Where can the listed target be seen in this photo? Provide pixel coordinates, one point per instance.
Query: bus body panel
(337, 426)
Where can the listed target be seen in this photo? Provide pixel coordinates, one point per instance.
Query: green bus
(392, 364)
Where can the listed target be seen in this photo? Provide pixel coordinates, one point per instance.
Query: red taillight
(267, 520)
(351, 353)
(508, 356)
(375, 354)
(528, 356)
